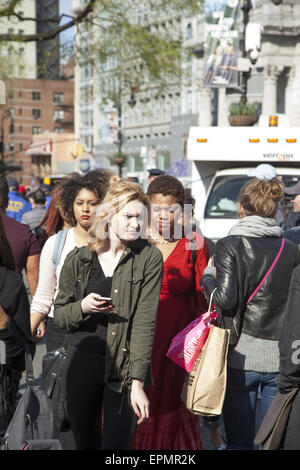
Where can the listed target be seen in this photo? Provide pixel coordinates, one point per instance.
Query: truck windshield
(222, 201)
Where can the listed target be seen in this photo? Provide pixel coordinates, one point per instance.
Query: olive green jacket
(136, 285)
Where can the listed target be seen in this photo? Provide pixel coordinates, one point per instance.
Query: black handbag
(52, 373)
(31, 426)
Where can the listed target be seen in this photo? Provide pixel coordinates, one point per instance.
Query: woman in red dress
(171, 426)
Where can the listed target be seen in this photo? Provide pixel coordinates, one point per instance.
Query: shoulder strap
(193, 248)
(29, 369)
(269, 271)
(59, 245)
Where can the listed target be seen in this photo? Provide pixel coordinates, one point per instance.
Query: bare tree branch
(49, 34)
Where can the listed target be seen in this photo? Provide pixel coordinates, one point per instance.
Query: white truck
(222, 159)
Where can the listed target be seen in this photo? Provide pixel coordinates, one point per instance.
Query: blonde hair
(261, 197)
(119, 194)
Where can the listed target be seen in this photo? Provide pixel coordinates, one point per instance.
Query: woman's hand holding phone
(94, 303)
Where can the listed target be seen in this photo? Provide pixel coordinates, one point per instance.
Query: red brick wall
(22, 102)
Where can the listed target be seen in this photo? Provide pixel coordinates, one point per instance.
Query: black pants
(54, 339)
(292, 435)
(54, 335)
(86, 396)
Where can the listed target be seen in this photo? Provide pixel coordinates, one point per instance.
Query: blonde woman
(110, 344)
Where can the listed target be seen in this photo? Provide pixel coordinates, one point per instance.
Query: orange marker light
(272, 141)
(254, 141)
(291, 141)
(273, 121)
(201, 140)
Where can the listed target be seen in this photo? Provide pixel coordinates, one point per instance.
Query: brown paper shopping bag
(204, 388)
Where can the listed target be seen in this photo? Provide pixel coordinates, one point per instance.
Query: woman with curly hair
(170, 425)
(76, 200)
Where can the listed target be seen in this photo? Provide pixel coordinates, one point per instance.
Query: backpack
(59, 246)
(31, 427)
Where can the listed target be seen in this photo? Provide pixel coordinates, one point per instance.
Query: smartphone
(108, 300)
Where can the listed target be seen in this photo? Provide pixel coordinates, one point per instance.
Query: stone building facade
(160, 124)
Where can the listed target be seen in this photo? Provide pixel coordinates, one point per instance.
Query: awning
(40, 147)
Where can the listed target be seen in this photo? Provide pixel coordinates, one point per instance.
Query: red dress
(171, 426)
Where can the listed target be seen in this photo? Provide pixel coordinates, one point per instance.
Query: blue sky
(65, 6)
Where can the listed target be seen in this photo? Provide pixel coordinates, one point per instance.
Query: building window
(189, 31)
(36, 113)
(21, 146)
(11, 147)
(36, 95)
(20, 129)
(58, 98)
(59, 130)
(11, 95)
(20, 111)
(36, 130)
(58, 115)
(20, 94)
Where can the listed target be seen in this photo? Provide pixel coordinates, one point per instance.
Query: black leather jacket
(289, 371)
(241, 263)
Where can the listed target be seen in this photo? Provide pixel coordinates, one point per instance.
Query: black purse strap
(30, 380)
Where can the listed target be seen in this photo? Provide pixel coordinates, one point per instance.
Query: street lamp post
(119, 159)
(246, 7)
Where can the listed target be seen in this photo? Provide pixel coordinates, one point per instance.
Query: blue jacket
(17, 206)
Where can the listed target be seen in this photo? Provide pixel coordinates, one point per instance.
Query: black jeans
(54, 335)
(87, 396)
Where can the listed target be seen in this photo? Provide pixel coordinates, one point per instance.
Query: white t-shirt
(47, 289)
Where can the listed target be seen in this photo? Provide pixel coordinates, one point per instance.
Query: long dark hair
(6, 254)
(53, 221)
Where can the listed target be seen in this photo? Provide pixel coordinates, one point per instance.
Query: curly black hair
(167, 185)
(96, 181)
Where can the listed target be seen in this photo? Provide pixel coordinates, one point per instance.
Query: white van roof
(244, 144)
(281, 171)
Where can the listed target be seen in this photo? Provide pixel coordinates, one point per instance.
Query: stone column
(270, 89)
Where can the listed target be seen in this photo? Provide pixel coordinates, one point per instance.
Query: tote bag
(204, 388)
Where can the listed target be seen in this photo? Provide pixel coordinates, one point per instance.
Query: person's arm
(68, 313)
(15, 303)
(32, 272)
(44, 294)
(226, 295)
(289, 342)
(3, 318)
(144, 320)
(202, 257)
(142, 333)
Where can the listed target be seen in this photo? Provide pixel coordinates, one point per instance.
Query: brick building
(35, 107)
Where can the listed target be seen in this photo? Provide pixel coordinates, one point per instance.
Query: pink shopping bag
(187, 344)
